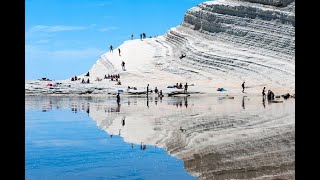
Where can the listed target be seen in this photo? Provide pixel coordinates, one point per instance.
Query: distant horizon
(66, 38)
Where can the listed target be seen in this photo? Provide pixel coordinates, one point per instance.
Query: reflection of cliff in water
(215, 137)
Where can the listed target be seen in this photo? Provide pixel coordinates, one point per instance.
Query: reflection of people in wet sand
(119, 132)
(111, 135)
(147, 101)
(156, 100)
(186, 102)
(243, 102)
(264, 101)
(123, 122)
(132, 145)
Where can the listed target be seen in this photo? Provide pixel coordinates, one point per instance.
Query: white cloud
(58, 28)
(108, 29)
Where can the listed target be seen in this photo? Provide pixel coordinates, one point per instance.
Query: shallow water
(98, 138)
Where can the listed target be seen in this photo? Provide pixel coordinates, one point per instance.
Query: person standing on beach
(118, 97)
(131, 36)
(263, 92)
(147, 89)
(141, 37)
(111, 49)
(185, 88)
(119, 51)
(242, 87)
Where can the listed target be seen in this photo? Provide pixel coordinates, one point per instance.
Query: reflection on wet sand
(217, 138)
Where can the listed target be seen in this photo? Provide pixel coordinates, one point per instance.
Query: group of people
(180, 86)
(112, 77)
(270, 94)
(85, 82)
(111, 50)
(143, 36)
(156, 91)
(75, 78)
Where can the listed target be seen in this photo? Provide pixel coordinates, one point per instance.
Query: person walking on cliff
(123, 65)
(242, 85)
(111, 49)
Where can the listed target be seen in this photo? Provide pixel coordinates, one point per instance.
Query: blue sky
(65, 38)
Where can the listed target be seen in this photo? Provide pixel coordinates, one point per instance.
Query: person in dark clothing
(123, 65)
(118, 97)
(72, 79)
(83, 81)
(180, 86)
(111, 48)
(242, 85)
(88, 74)
(88, 81)
(131, 36)
(147, 89)
(156, 90)
(119, 51)
(182, 56)
(75, 78)
(105, 76)
(140, 36)
(263, 92)
(270, 95)
(185, 88)
(123, 121)
(160, 93)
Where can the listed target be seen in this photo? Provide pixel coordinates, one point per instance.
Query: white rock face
(240, 40)
(225, 42)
